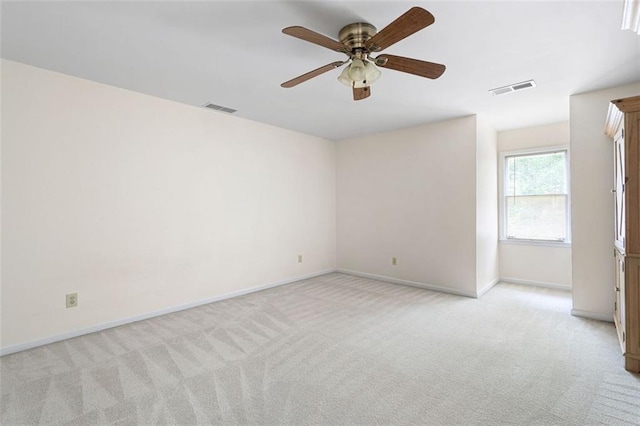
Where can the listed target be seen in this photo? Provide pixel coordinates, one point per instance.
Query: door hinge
(624, 336)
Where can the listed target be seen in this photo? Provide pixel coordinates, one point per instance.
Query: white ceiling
(233, 53)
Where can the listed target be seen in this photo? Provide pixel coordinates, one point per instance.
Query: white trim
(591, 315)
(557, 286)
(486, 288)
(99, 327)
(539, 243)
(409, 283)
(613, 122)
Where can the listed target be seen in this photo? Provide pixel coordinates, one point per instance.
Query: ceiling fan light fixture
(366, 72)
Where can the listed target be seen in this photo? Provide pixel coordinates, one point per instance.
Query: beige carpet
(335, 350)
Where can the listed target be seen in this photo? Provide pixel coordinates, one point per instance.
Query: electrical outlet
(394, 261)
(72, 300)
(299, 258)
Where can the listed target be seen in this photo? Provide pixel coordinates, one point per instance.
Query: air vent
(513, 87)
(219, 108)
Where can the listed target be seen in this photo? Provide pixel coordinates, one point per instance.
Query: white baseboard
(592, 315)
(536, 283)
(486, 288)
(99, 327)
(409, 283)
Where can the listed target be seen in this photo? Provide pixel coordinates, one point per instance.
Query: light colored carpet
(335, 350)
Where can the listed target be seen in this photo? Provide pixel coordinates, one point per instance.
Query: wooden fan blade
(410, 22)
(361, 93)
(304, 77)
(411, 66)
(315, 38)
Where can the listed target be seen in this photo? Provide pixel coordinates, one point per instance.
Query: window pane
(537, 217)
(536, 174)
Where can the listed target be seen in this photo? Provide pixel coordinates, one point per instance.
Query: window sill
(536, 243)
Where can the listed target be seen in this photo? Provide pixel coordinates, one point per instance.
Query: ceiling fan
(358, 41)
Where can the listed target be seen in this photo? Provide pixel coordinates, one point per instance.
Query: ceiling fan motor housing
(355, 35)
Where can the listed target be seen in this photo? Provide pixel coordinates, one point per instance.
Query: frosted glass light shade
(357, 70)
(372, 73)
(344, 76)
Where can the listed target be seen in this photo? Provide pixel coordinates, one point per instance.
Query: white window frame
(503, 189)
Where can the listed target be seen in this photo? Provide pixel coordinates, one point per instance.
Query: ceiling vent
(219, 108)
(513, 87)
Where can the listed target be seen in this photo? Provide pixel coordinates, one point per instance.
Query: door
(619, 310)
(620, 183)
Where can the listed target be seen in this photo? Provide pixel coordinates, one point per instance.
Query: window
(535, 196)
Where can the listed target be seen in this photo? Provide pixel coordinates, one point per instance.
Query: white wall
(410, 194)
(487, 270)
(140, 204)
(537, 265)
(540, 265)
(592, 202)
(553, 134)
